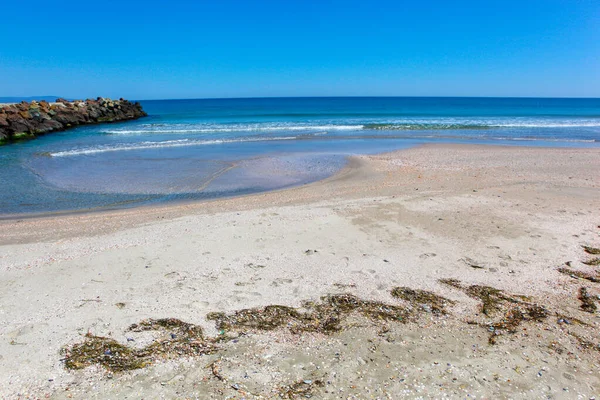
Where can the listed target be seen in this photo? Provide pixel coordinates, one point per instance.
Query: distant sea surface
(204, 149)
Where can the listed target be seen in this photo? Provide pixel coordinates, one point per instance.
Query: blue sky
(225, 48)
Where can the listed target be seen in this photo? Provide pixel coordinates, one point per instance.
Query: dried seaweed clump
(514, 309)
(304, 388)
(492, 299)
(588, 304)
(591, 250)
(325, 317)
(423, 299)
(592, 262)
(514, 317)
(178, 339)
(580, 274)
(586, 344)
(103, 351)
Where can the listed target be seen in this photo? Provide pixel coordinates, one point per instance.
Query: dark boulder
(27, 120)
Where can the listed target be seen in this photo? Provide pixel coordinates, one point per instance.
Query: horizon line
(367, 97)
(314, 97)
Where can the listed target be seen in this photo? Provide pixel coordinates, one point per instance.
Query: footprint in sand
(427, 255)
(280, 281)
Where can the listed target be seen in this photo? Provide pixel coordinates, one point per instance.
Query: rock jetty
(29, 120)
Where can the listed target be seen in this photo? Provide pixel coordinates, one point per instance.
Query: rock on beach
(29, 120)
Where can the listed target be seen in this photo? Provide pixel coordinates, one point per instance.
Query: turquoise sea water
(202, 149)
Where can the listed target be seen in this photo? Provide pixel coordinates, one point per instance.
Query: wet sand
(507, 218)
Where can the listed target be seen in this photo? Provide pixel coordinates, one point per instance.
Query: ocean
(210, 148)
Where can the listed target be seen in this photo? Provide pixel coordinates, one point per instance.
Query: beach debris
(585, 343)
(591, 250)
(344, 285)
(215, 369)
(512, 309)
(592, 262)
(472, 263)
(120, 305)
(178, 339)
(580, 274)
(427, 255)
(324, 317)
(309, 252)
(96, 300)
(564, 319)
(424, 299)
(588, 304)
(87, 301)
(303, 388)
(255, 266)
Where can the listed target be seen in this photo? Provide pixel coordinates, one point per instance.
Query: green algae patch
(17, 137)
(507, 311)
(22, 136)
(178, 339)
(327, 316)
(423, 299)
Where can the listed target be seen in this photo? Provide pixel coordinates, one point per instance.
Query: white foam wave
(414, 123)
(590, 124)
(240, 128)
(157, 145)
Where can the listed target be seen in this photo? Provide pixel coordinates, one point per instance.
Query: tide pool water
(203, 149)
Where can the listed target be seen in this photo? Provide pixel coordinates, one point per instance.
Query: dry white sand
(407, 218)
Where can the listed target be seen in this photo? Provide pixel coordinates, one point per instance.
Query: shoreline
(446, 219)
(357, 166)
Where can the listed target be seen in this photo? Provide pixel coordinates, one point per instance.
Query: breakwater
(28, 120)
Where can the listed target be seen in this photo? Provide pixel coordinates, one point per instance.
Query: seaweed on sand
(104, 351)
(515, 309)
(426, 300)
(514, 317)
(492, 299)
(179, 339)
(586, 344)
(588, 304)
(580, 274)
(326, 316)
(591, 250)
(303, 388)
(592, 262)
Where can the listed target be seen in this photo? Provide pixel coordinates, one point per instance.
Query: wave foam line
(241, 129)
(159, 145)
(391, 126)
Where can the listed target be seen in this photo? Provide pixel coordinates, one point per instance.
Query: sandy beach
(496, 295)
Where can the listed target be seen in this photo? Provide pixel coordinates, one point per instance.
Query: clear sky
(224, 48)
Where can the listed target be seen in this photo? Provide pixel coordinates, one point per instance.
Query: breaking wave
(402, 125)
(157, 145)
